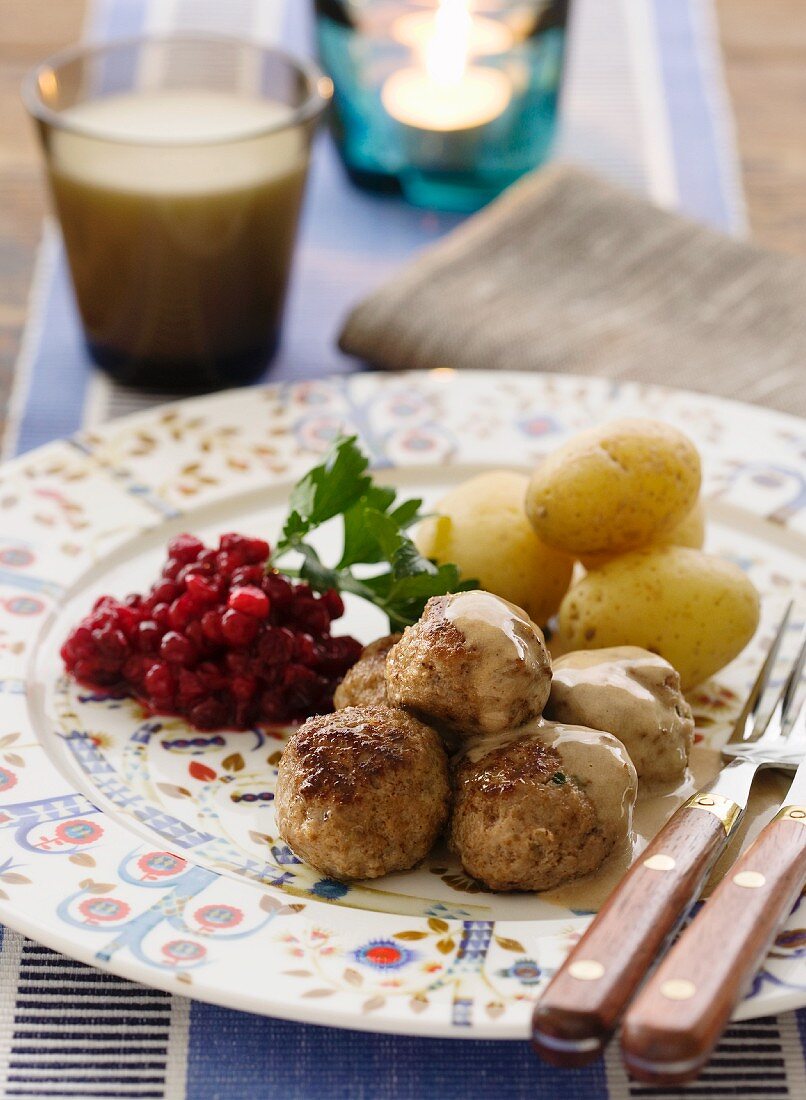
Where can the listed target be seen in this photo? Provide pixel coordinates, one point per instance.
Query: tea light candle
(447, 95)
(483, 36)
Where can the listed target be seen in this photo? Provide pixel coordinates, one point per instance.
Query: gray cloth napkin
(566, 272)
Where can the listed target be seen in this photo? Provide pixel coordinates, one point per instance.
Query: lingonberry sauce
(217, 640)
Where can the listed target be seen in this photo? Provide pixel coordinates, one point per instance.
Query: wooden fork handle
(583, 1003)
(678, 1017)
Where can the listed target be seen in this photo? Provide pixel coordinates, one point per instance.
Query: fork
(672, 1028)
(581, 1007)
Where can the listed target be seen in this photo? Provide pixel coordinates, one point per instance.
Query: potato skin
(614, 488)
(696, 610)
(482, 527)
(690, 531)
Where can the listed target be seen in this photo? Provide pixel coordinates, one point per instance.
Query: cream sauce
(606, 668)
(598, 761)
(627, 691)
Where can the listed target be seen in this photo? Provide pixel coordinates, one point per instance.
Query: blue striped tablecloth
(644, 105)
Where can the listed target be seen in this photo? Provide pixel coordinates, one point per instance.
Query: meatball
(474, 662)
(536, 808)
(362, 792)
(635, 695)
(365, 683)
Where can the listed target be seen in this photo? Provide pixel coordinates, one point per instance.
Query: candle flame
(448, 48)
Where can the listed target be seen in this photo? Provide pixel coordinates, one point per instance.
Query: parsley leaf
(375, 526)
(329, 489)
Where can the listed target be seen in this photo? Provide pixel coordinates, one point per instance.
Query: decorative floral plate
(149, 849)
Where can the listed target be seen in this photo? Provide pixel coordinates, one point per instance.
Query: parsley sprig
(379, 560)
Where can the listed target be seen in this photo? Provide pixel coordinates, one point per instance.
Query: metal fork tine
(799, 723)
(775, 725)
(790, 720)
(745, 727)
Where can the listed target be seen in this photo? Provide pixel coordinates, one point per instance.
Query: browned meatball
(474, 662)
(365, 683)
(362, 792)
(538, 809)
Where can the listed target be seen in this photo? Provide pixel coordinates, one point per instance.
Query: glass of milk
(177, 167)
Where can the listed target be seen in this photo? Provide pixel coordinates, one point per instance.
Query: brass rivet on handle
(678, 989)
(705, 800)
(586, 970)
(751, 880)
(660, 862)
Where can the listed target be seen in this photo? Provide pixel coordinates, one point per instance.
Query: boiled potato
(690, 531)
(696, 610)
(615, 488)
(482, 527)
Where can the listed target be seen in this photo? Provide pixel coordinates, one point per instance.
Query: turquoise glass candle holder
(445, 101)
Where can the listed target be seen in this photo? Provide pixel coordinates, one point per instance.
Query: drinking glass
(177, 167)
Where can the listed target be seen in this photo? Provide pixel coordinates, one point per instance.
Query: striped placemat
(644, 105)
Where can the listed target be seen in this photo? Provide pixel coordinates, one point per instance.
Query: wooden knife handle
(678, 1017)
(583, 1003)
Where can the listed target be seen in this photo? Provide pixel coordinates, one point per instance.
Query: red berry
(335, 655)
(189, 687)
(94, 674)
(195, 633)
(158, 681)
(178, 649)
(111, 642)
(279, 591)
(304, 649)
(81, 642)
(227, 563)
(135, 669)
(302, 686)
(206, 561)
(205, 589)
(251, 550)
(334, 603)
(247, 574)
(239, 629)
(208, 715)
(211, 676)
(164, 592)
(250, 600)
(312, 615)
(273, 706)
(185, 548)
(211, 626)
(160, 613)
(245, 714)
(238, 662)
(172, 569)
(243, 688)
(128, 619)
(181, 611)
(276, 645)
(149, 636)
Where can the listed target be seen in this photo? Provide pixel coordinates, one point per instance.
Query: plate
(148, 849)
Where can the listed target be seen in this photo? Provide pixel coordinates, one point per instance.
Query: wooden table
(764, 45)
